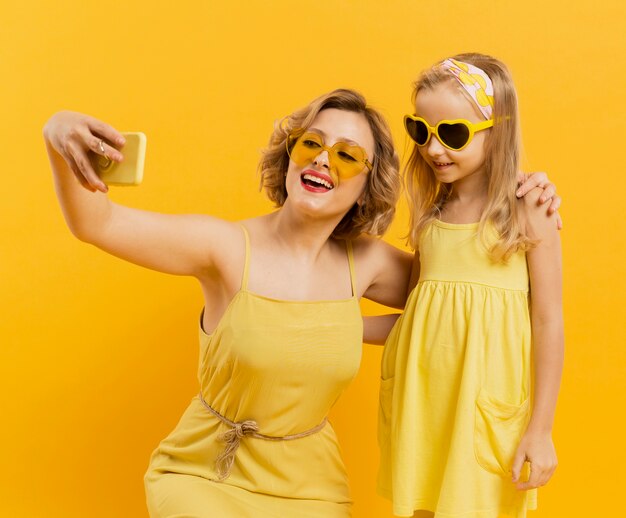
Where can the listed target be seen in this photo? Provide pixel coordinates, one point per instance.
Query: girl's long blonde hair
(427, 195)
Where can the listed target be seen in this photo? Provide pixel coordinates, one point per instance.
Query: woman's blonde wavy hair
(427, 196)
(378, 203)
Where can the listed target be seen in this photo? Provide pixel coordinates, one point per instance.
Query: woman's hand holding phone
(75, 137)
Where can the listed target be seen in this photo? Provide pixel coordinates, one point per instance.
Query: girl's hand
(72, 135)
(529, 182)
(539, 451)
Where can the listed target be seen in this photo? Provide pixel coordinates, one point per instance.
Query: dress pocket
(498, 429)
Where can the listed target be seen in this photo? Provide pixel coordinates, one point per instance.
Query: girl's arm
(544, 265)
(184, 245)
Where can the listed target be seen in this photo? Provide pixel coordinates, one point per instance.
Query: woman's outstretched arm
(177, 244)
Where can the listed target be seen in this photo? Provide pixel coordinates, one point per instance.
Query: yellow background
(98, 357)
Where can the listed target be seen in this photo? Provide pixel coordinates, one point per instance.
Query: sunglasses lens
(306, 148)
(349, 160)
(346, 159)
(455, 136)
(417, 130)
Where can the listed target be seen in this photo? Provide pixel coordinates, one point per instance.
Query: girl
(466, 400)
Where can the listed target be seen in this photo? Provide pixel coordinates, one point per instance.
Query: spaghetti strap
(246, 266)
(351, 263)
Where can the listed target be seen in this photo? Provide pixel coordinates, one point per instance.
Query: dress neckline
(457, 226)
(290, 301)
(243, 291)
(244, 286)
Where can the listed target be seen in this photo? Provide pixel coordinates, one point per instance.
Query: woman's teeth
(318, 180)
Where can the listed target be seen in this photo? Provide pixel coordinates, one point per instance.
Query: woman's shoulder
(257, 225)
(379, 254)
(216, 231)
(383, 270)
(367, 245)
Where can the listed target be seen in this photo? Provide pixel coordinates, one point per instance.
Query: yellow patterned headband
(475, 82)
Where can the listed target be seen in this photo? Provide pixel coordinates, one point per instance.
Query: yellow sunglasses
(347, 159)
(454, 134)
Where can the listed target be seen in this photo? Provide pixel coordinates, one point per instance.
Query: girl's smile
(442, 166)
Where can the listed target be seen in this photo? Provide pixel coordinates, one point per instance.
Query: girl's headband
(475, 82)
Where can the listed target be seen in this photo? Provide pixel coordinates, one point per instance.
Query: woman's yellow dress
(282, 364)
(456, 382)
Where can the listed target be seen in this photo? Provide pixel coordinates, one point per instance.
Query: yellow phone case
(128, 172)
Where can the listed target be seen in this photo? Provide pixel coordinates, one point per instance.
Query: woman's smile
(314, 181)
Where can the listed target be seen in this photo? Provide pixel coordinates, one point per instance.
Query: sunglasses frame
(473, 127)
(292, 138)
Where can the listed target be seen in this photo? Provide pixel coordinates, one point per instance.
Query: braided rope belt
(241, 429)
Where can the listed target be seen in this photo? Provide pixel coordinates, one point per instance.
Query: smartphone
(130, 170)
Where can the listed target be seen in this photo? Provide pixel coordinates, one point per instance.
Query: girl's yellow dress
(281, 364)
(455, 393)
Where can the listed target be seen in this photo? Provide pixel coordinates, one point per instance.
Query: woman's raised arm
(177, 244)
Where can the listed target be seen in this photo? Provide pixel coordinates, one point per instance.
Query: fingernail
(542, 199)
(518, 193)
(121, 140)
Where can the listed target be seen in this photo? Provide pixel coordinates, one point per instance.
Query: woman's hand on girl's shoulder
(73, 135)
(547, 192)
(537, 223)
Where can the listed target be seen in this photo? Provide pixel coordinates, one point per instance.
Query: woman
(281, 331)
